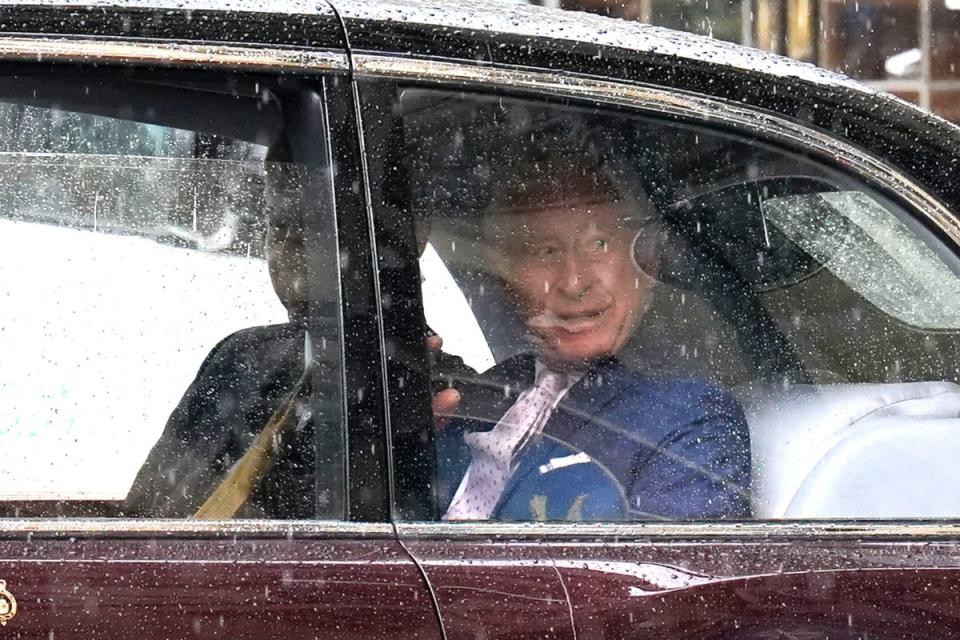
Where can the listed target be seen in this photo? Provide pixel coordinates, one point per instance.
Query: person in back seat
(239, 387)
(566, 431)
(240, 384)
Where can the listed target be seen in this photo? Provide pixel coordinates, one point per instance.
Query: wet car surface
(226, 233)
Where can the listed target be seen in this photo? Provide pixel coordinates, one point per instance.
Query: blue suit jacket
(619, 446)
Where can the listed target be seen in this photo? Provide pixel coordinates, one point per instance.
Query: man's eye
(545, 251)
(600, 245)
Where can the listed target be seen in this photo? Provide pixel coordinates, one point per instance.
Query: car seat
(855, 450)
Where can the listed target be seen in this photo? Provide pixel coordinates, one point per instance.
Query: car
(230, 233)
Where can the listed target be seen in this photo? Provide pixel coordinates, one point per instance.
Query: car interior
(781, 278)
(169, 171)
(820, 301)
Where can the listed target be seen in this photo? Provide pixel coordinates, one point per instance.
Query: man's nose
(575, 275)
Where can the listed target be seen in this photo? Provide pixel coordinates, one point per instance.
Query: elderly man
(567, 432)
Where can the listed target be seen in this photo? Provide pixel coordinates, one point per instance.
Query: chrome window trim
(671, 102)
(169, 54)
(128, 527)
(627, 532)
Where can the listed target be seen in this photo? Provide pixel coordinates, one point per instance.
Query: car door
(191, 432)
(777, 460)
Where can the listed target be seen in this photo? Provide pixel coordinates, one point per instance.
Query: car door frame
(78, 568)
(666, 560)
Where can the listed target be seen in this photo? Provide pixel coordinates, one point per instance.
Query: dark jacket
(238, 387)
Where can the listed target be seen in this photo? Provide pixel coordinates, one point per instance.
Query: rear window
(873, 252)
(137, 293)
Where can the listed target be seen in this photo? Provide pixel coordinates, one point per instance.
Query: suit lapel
(599, 387)
(585, 400)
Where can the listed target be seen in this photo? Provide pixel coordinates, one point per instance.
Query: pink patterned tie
(493, 451)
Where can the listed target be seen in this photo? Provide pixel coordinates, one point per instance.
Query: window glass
(160, 313)
(448, 311)
(865, 245)
(649, 320)
(83, 133)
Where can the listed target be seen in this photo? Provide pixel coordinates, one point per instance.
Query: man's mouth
(553, 322)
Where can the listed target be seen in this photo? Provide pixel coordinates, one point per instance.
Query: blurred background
(907, 47)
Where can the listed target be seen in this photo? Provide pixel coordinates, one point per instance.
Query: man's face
(571, 274)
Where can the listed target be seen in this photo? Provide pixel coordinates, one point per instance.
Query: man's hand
(445, 402)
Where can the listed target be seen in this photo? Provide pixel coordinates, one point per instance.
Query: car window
(676, 322)
(160, 319)
(874, 252)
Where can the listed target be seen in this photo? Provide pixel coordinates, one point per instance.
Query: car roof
(507, 17)
(532, 21)
(300, 7)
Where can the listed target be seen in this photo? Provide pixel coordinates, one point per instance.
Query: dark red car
(225, 233)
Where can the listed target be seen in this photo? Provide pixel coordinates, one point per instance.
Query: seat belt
(247, 472)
